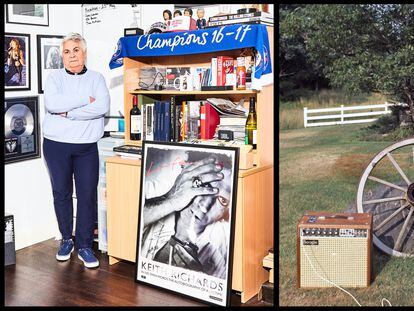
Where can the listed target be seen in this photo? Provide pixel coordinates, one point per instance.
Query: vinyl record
(18, 121)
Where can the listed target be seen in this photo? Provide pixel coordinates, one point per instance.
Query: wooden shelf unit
(264, 98)
(176, 92)
(254, 212)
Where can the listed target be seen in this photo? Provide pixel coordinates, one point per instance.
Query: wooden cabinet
(254, 211)
(122, 192)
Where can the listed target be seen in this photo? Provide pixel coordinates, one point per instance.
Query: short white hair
(73, 36)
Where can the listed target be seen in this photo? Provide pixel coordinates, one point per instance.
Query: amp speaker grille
(342, 260)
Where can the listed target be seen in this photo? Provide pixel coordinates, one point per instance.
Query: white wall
(28, 193)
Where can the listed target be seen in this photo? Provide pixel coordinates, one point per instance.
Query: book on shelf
(193, 119)
(183, 121)
(209, 119)
(148, 116)
(197, 75)
(243, 15)
(217, 88)
(178, 120)
(158, 110)
(166, 120)
(213, 72)
(225, 65)
(236, 120)
(128, 151)
(206, 78)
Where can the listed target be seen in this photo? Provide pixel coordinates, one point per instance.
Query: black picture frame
(28, 14)
(168, 181)
(49, 57)
(21, 132)
(17, 62)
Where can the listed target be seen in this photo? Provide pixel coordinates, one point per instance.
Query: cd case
(21, 129)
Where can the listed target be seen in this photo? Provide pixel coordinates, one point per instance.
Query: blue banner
(199, 41)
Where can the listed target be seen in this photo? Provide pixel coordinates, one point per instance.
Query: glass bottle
(251, 125)
(135, 120)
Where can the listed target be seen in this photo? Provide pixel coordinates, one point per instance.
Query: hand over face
(186, 186)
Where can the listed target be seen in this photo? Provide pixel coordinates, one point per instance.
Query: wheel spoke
(398, 244)
(383, 200)
(390, 217)
(398, 168)
(387, 183)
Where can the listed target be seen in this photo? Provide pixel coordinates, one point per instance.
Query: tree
(296, 70)
(360, 47)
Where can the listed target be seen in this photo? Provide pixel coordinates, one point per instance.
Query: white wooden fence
(345, 115)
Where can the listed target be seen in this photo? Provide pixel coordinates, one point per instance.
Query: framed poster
(186, 219)
(28, 14)
(49, 57)
(21, 129)
(16, 62)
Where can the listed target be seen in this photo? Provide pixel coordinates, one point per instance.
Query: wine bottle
(135, 120)
(251, 125)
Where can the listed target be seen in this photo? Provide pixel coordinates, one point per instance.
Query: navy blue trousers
(80, 162)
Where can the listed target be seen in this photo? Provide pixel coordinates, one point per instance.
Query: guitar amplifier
(334, 247)
(9, 248)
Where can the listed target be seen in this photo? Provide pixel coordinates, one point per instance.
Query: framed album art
(49, 57)
(186, 219)
(16, 62)
(21, 129)
(28, 14)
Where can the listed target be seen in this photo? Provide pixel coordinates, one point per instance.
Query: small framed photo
(49, 57)
(186, 219)
(21, 129)
(28, 14)
(16, 62)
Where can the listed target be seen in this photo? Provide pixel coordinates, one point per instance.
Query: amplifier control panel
(334, 232)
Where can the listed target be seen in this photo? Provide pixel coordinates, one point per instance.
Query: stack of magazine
(245, 18)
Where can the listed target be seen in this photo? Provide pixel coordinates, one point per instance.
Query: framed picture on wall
(16, 62)
(49, 57)
(28, 14)
(186, 219)
(21, 129)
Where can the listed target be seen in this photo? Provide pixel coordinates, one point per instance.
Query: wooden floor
(38, 279)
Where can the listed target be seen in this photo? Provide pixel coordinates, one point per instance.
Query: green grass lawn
(319, 170)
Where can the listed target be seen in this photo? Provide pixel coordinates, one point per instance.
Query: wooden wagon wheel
(393, 209)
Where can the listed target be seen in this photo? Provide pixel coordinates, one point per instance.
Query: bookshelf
(254, 210)
(172, 92)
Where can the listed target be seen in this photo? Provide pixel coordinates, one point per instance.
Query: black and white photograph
(21, 129)
(28, 14)
(16, 62)
(49, 57)
(186, 223)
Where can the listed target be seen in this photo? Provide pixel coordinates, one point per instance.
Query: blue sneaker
(88, 257)
(66, 248)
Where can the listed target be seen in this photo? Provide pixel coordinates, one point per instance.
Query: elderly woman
(76, 100)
